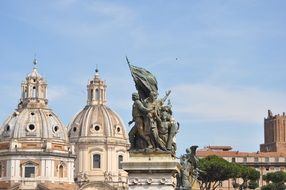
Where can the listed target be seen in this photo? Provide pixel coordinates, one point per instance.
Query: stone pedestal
(151, 171)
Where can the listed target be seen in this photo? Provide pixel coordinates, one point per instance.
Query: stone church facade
(37, 151)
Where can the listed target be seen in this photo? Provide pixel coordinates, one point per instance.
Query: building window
(96, 127)
(29, 171)
(96, 161)
(244, 159)
(34, 92)
(61, 171)
(97, 94)
(91, 94)
(31, 127)
(120, 159)
(276, 159)
(233, 159)
(256, 159)
(267, 159)
(25, 94)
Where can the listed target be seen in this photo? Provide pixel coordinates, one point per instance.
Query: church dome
(35, 152)
(33, 120)
(96, 119)
(34, 124)
(100, 139)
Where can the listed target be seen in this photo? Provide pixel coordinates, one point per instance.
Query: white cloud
(243, 104)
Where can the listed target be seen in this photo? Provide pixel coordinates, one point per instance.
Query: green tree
(214, 170)
(249, 177)
(275, 181)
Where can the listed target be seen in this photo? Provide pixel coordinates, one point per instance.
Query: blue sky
(223, 60)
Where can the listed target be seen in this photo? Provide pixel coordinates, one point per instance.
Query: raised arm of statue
(166, 96)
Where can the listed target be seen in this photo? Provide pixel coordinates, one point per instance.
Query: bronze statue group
(154, 126)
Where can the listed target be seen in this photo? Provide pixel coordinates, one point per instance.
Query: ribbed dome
(34, 124)
(33, 120)
(96, 120)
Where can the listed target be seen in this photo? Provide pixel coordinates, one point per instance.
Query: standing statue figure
(154, 120)
(139, 112)
(189, 171)
(193, 159)
(155, 128)
(183, 179)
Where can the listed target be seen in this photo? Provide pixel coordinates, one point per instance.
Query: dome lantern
(34, 90)
(96, 91)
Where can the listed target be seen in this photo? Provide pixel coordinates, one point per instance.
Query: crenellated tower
(274, 133)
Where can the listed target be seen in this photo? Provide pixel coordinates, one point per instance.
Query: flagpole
(129, 65)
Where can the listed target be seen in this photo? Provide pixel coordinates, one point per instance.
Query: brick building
(270, 158)
(274, 133)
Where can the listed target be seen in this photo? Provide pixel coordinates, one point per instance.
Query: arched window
(96, 161)
(61, 171)
(30, 170)
(91, 94)
(97, 94)
(34, 92)
(120, 159)
(25, 93)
